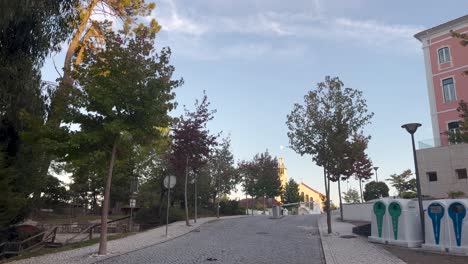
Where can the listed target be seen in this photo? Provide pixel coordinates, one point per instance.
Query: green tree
(29, 32)
(460, 135)
(124, 94)
(291, 192)
(374, 190)
(403, 182)
(268, 183)
(351, 196)
(224, 175)
(260, 176)
(323, 127)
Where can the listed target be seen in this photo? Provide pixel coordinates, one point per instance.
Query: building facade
(445, 62)
(443, 165)
(309, 195)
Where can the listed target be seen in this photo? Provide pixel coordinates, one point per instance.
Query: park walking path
(87, 255)
(358, 250)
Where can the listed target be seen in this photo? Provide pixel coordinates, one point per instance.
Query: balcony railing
(429, 143)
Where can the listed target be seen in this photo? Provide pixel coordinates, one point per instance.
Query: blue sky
(256, 58)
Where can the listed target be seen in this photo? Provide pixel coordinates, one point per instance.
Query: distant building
(442, 165)
(309, 195)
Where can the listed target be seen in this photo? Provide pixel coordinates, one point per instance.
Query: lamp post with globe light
(411, 128)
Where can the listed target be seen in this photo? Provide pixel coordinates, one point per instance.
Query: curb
(327, 252)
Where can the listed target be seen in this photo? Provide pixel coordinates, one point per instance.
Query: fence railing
(30, 244)
(90, 230)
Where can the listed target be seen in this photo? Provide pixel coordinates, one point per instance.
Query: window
(453, 127)
(444, 55)
(449, 90)
(432, 176)
(461, 173)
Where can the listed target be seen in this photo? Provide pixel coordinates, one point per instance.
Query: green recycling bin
(405, 223)
(379, 222)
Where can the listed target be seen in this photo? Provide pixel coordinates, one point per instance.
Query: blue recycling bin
(436, 228)
(458, 226)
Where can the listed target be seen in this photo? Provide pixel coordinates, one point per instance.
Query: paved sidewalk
(357, 250)
(87, 255)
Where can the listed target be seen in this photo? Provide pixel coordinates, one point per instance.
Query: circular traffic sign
(169, 182)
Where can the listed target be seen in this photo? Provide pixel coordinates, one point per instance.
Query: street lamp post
(376, 177)
(132, 203)
(411, 128)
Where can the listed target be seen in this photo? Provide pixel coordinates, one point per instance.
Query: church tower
(283, 174)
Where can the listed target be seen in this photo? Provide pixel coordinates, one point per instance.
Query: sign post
(169, 183)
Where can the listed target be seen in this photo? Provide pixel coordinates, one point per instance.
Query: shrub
(455, 194)
(231, 207)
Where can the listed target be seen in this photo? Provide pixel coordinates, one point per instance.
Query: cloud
(254, 28)
(177, 23)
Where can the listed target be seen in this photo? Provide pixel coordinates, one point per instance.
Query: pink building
(445, 61)
(443, 166)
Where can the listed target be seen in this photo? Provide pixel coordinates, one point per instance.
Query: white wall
(444, 161)
(358, 211)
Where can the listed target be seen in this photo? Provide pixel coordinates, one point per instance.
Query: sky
(256, 58)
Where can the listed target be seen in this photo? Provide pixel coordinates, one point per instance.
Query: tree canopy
(351, 196)
(403, 182)
(291, 192)
(374, 190)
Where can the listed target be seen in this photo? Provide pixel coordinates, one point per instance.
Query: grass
(45, 251)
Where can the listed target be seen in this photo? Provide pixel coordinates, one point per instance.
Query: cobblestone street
(257, 239)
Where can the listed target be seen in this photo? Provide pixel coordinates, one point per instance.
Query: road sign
(169, 182)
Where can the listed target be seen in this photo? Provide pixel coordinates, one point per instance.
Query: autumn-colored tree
(362, 165)
(191, 144)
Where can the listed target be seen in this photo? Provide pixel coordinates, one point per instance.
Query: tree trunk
(341, 203)
(185, 194)
(75, 41)
(105, 203)
(253, 203)
(264, 205)
(196, 199)
(360, 187)
(327, 191)
(219, 195)
(246, 204)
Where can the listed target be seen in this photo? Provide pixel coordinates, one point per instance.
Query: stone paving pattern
(86, 255)
(254, 239)
(356, 250)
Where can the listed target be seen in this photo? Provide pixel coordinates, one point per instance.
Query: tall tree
(291, 192)
(29, 31)
(248, 173)
(224, 175)
(269, 182)
(323, 128)
(192, 143)
(124, 93)
(362, 165)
